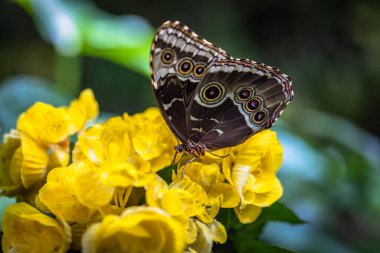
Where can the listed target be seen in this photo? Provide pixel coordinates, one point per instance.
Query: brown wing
(179, 58)
(236, 99)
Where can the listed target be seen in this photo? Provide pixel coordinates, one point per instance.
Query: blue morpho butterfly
(209, 99)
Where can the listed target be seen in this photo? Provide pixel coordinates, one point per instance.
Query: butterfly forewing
(235, 99)
(179, 59)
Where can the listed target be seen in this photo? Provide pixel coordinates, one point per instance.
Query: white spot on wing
(215, 120)
(220, 132)
(197, 129)
(195, 119)
(167, 106)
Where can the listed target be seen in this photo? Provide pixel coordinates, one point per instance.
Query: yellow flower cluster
(104, 193)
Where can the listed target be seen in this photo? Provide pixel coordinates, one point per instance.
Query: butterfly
(209, 99)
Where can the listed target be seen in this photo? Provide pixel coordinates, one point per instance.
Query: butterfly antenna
(221, 156)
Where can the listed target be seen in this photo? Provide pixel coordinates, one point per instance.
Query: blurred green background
(50, 50)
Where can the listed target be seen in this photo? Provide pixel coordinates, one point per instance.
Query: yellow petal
(172, 203)
(35, 161)
(143, 229)
(191, 231)
(87, 99)
(247, 214)
(146, 144)
(212, 208)
(264, 182)
(15, 166)
(26, 229)
(192, 196)
(204, 241)
(240, 175)
(206, 175)
(218, 231)
(161, 161)
(91, 191)
(155, 191)
(268, 198)
(136, 172)
(253, 149)
(78, 116)
(26, 123)
(59, 156)
(60, 193)
(82, 109)
(53, 126)
(89, 145)
(10, 161)
(271, 162)
(115, 140)
(231, 197)
(151, 136)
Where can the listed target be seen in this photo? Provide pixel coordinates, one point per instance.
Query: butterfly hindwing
(179, 59)
(236, 99)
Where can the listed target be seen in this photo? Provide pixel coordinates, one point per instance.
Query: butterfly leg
(175, 156)
(221, 156)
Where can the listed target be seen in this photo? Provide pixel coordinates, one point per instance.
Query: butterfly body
(209, 99)
(191, 148)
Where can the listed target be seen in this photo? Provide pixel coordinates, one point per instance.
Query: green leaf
(228, 218)
(244, 237)
(279, 212)
(259, 246)
(166, 173)
(276, 212)
(79, 27)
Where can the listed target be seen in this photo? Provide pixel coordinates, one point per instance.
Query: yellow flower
(138, 229)
(251, 169)
(10, 179)
(125, 151)
(60, 194)
(130, 149)
(41, 142)
(109, 147)
(82, 109)
(111, 192)
(206, 235)
(24, 162)
(152, 138)
(219, 194)
(209, 177)
(28, 230)
(182, 197)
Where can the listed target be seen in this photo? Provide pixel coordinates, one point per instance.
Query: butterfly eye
(259, 117)
(212, 93)
(199, 70)
(244, 94)
(253, 105)
(185, 67)
(167, 56)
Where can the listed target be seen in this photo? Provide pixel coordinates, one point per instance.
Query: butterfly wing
(179, 59)
(236, 99)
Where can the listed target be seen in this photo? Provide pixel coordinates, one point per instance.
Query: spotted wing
(236, 99)
(179, 58)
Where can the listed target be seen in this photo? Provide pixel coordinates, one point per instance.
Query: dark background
(330, 132)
